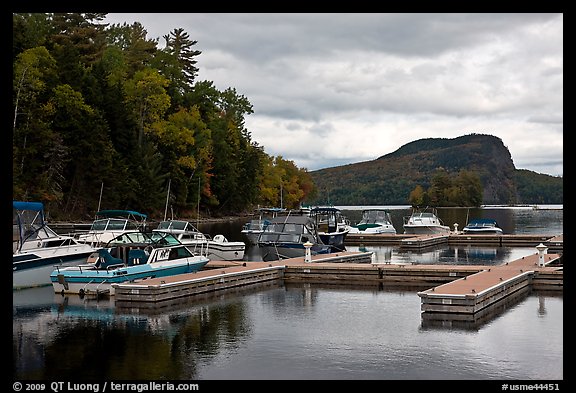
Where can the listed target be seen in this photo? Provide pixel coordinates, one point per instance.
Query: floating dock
(222, 275)
(471, 294)
(553, 242)
(354, 268)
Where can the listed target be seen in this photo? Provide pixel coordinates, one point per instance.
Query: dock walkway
(553, 242)
(477, 291)
(452, 286)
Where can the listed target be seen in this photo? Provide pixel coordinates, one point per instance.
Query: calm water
(295, 332)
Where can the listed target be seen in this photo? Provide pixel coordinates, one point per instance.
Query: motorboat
(332, 226)
(132, 256)
(286, 237)
(253, 228)
(110, 224)
(36, 248)
(423, 222)
(217, 248)
(482, 226)
(374, 221)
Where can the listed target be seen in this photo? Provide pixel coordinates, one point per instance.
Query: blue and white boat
(128, 257)
(36, 248)
(483, 226)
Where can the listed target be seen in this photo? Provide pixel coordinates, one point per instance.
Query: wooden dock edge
(162, 291)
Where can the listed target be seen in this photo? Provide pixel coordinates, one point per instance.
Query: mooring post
(541, 251)
(308, 256)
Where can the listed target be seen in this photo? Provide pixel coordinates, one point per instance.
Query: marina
(465, 291)
(362, 317)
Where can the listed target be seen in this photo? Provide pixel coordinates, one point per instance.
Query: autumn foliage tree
(98, 106)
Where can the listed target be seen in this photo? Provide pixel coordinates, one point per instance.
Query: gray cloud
(318, 79)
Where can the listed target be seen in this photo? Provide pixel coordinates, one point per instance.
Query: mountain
(389, 179)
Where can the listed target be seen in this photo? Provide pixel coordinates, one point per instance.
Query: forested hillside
(390, 179)
(102, 110)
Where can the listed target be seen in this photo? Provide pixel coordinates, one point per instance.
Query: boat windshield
(280, 237)
(176, 225)
(153, 238)
(374, 216)
(99, 225)
(482, 223)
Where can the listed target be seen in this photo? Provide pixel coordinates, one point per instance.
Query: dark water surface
(288, 331)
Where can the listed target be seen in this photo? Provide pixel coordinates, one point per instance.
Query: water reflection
(285, 331)
(74, 337)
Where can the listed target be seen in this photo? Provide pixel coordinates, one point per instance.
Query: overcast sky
(333, 89)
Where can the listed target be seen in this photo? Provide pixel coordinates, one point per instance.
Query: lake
(281, 331)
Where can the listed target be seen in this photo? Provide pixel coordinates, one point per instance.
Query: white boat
(110, 224)
(423, 222)
(483, 226)
(286, 236)
(129, 257)
(218, 248)
(36, 248)
(374, 221)
(253, 228)
(332, 226)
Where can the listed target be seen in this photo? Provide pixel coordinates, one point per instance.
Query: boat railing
(86, 266)
(199, 249)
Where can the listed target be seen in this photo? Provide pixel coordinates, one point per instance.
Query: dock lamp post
(308, 256)
(541, 251)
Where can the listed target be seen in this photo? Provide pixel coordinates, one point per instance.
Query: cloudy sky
(332, 89)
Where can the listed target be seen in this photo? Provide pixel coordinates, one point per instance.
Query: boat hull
(374, 230)
(218, 251)
(85, 280)
(224, 252)
(334, 239)
(426, 230)
(274, 252)
(473, 231)
(32, 269)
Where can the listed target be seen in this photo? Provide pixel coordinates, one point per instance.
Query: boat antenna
(198, 214)
(167, 197)
(100, 199)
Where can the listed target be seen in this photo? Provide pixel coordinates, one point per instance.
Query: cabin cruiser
(217, 248)
(287, 237)
(332, 226)
(374, 221)
(486, 226)
(129, 257)
(36, 248)
(423, 222)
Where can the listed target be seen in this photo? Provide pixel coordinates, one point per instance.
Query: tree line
(104, 117)
(464, 189)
